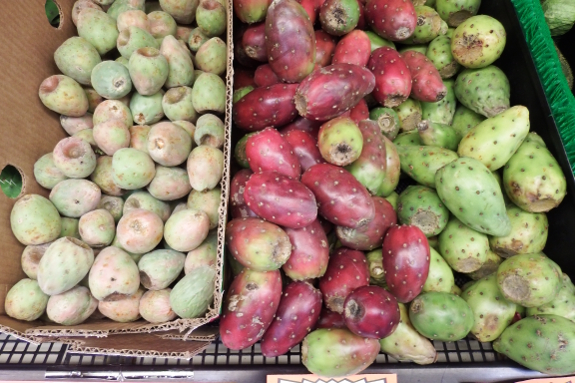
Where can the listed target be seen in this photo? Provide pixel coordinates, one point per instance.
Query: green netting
(548, 67)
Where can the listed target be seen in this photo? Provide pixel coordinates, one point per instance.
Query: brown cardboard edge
(17, 334)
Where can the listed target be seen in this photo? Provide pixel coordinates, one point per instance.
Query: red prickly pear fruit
(249, 309)
(310, 252)
(371, 312)
(359, 112)
(330, 319)
(257, 244)
(272, 106)
(370, 236)
(392, 77)
(296, 316)
(342, 199)
(427, 83)
(347, 270)
(238, 206)
(305, 125)
(251, 11)
(254, 42)
(310, 8)
(264, 76)
(331, 91)
(324, 48)
(243, 78)
(241, 57)
(393, 20)
(353, 48)
(405, 254)
(361, 23)
(305, 148)
(280, 199)
(269, 150)
(290, 40)
(327, 226)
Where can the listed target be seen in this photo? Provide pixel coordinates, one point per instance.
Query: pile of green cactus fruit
(136, 185)
(331, 114)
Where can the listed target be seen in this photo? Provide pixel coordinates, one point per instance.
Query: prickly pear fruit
(132, 18)
(349, 353)
(310, 252)
(192, 296)
(253, 42)
(330, 319)
(264, 191)
(549, 347)
(304, 146)
(181, 67)
(160, 268)
(211, 17)
(406, 345)
(422, 162)
(353, 48)
(76, 58)
(464, 120)
(46, 173)
(161, 24)
(71, 307)
(169, 183)
(120, 6)
(155, 306)
(442, 111)
(31, 257)
(63, 95)
(371, 312)
(264, 76)
(488, 267)
(70, 228)
(462, 247)
(456, 12)
(346, 271)
(339, 17)
(290, 40)
(111, 136)
(114, 275)
(342, 199)
(392, 170)
(133, 38)
(376, 272)
(441, 316)
(239, 208)
(472, 194)
(75, 197)
(133, 169)
(183, 11)
(303, 124)
(139, 231)
(409, 113)
(114, 205)
(25, 300)
(440, 277)
(35, 220)
(394, 20)
(196, 39)
(74, 157)
(438, 135)
(378, 42)
(149, 70)
(528, 233)
(405, 261)
(563, 304)
(147, 109)
(79, 6)
(387, 120)
(112, 110)
(392, 77)
(478, 41)
(251, 304)
(492, 312)
(484, 91)
(272, 106)
(267, 150)
(325, 48)
(370, 236)
(208, 202)
(296, 315)
(145, 201)
(439, 53)
(429, 26)
(420, 206)
(124, 309)
(168, 144)
(97, 228)
(529, 280)
(427, 83)
(186, 229)
(340, 141)
(99, 29)
(203, 255)
(205, 167)
(533, 178)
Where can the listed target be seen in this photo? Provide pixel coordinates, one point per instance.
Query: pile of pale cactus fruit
(136, 185)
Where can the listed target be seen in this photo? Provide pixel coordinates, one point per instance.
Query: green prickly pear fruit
(133, 169)
(387, 120)
(178, 104)
(439, 53)
(103, 177)
(407, 345)
(112, 110)
(488, 267)
(193, 294)
(155, 306)
(478, 41)
(533, 178)
(75, 197)
(94, 99)
(422, 162)
(464, 120)
(436, 134)
(211, 17)
(124, 309)
(76, 58)
(71, 307)
(563, 304)
(420, 206)
(46, 173)
(440, 277)
(547, 344)
(456, 12)
(197, 39)
(114, 275)
(528, 233)
(492, 312)
(378, 41)
(339, 17)
(63, 95)
(147, 110)
(139, 137)
(64, 264)
(462, 247)
(168, 144)
(441, 316)
(25, 300)
(31, 258)
(204, 255)
(421, 48)
(97, 228)
(186, 230)
(161, 24)
(111, 136)
(211, 57)
(210, 131)
(441, 112)
(73, 125)
(134, 38)
(410, 138)
(99, 29)
(409, 113)
(70, 228)
(144, 200)
(207, 201)
(114, 205)
(472, 194)
(209, 93)
(132, 18)
(160, 268)
(169, 183)
(375, 265)
(120, 6)
(433, 242)
(456, 290)
(149, 70)
(392, 171)
(80, 5)
(495, 140)
(529, 280)
(87, 135)
(74, 157)
(485, 91)
(181, 67)
(369, 167)
(429, 26)
(183, 11)
(348, 353)
(35, 220)
(240, 151)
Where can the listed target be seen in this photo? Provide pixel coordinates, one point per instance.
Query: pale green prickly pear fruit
(210, 130)
(144, 200)
(420, 206)
(440, 277)
(209, 94)
(46, 173)
(181, 67)
(34, 220)
(155, 306)
(25, 300)
(441, 112)
(194, 293)
(409, 113)
(149, 70)
(120, 6)
(439, 53)
(75, 197)
(410, 138)
(147, 110)
(76, 58)
(169, 183)
(478, 41)
(160, 268)
(563, 304)
(114, 275)
(429, 26)
(211, 17)
(434, 134)
(462, 247)
(99, 29)
(485, 91)
(422, 162)
(111, 80)
(183, 11)
(197, 39)
(161, 24)
(456, 12)
(178, 104)
(71, 307)
(134, 38)
(488, 267)
(211, 57)
(63, 95)
(133, 169)
(464, 120)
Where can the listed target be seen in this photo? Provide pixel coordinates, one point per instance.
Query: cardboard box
(29, 130)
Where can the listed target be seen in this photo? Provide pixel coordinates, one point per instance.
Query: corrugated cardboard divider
(30, 130)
